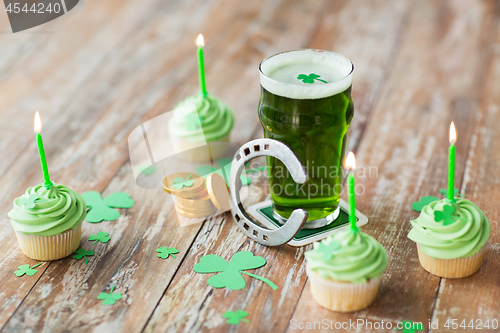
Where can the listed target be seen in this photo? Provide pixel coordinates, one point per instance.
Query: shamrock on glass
(310, 78)
(230, 273)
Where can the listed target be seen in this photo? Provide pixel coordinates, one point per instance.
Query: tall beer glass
(306, 104)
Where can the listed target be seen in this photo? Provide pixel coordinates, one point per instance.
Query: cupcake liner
(343, 296)
(47, 248)
(186, 147)
(452, 268)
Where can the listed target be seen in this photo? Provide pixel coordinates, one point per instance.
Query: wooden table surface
(107, 66)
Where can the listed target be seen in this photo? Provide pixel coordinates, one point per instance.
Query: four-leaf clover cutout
(327, 250)
(29, 202)
(234, 318)
(111, 298)
(180, 182)
(164, 252)
(26, 269)
(101, 236)
(310, 78)
(102, 209)
(81, 253)
(230, 273)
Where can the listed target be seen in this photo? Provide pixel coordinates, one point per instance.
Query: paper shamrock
(180, 182)
(111, 298)
(234, 318)
(81, 253)
(164, 252)
(224, 171)
(148, 171)
(327, 250)
(26, 269)
(444, 191)
(101, 236)
(446, 215)
(230, 273)
(310, 78)
(424, 201)
(408, 326)
(29, 202)
(101, 209)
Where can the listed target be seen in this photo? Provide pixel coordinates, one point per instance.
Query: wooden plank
(189, 303)
(406, 139)
(476, 298)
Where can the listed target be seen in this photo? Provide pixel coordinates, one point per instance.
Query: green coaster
(263, 213)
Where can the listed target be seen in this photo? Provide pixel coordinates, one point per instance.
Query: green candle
(351, 192)
(451, 163)
(201, 64)
(41, 151)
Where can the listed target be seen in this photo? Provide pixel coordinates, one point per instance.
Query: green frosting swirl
(463, 237)
(57, 210)
(355, 258)
(215, 117)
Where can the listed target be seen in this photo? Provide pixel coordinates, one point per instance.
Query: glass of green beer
(306, 104)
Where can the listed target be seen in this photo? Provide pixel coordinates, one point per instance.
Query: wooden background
(108, 66)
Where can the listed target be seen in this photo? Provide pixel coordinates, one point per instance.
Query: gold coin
(195, 213)
(218, 191)
(196, 207)
(196, 183)
(194, 201)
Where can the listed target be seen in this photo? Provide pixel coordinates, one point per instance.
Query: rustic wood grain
(108, 66)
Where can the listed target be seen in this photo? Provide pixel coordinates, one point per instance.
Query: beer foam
(278, 74)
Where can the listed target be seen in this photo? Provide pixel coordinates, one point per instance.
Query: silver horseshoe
(250, 150)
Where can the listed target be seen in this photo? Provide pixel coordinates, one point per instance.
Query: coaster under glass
(314, 223)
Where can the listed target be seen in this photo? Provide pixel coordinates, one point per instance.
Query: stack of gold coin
(192, 197)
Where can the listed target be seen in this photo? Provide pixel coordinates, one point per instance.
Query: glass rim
(304, 49)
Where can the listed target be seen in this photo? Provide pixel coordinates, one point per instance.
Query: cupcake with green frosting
(345, 270)
(200, 121)
(48, 222)
(451, 237)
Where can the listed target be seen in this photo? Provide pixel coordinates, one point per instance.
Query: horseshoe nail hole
(256, 148)
(255, 233)
(238, 157)
(246, 226)
(237, 217)
(266, 147)
(247, 151)
(265, 237)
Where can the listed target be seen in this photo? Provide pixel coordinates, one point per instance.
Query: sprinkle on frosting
(462, 238)
(57, 210)
(212, 121)
(354, 257)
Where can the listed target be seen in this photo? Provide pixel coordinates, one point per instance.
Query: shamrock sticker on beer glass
(310, 78)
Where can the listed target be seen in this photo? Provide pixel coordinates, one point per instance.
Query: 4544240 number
(477, 324)
(38, 8)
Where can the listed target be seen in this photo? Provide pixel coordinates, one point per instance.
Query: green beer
(306, 104)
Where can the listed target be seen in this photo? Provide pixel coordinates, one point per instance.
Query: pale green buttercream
(460, 239)
(215, 117)
(57, 210)
(358, 258)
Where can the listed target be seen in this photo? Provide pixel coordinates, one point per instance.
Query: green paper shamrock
(446, 215)
(310, 78)
(164, 252)
(101, 236)
(26, 269)
(101, 209)
(327, 250)
(111, 298)
(29, 202)
(224, 171)
(148, 171)
(81, 253)
(409, 327)
(424, 201)
(230, 273)
(234, 318)
(456, 191)
(180, 182)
